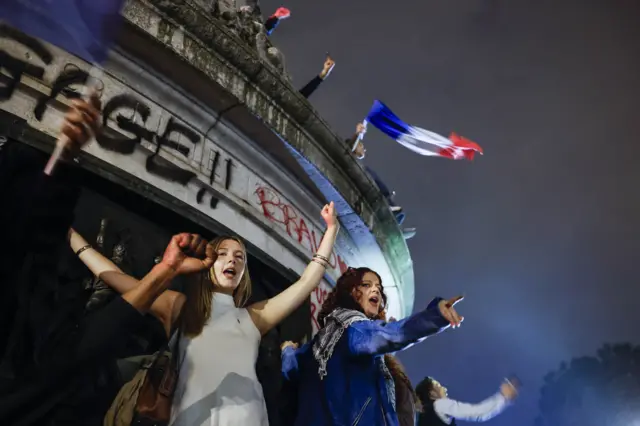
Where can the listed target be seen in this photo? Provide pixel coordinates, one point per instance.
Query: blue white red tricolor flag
(85, 28)
(420, 140)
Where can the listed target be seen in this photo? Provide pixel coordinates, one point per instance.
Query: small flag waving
(85, 28)
(420, 140)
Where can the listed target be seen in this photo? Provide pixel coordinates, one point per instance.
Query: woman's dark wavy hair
(342, 294)
(342, 297)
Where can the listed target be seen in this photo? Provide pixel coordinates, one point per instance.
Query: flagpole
(360, 136)
(95, 73)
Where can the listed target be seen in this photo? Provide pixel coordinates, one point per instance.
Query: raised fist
(327, 67)
(328, 213)
(187, 253)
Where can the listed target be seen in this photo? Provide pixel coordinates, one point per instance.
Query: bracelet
(321, 257)
(82, 249)
(319, 262)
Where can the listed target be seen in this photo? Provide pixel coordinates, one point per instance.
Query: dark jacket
(354, 391)
(51, 353)
(311, 86)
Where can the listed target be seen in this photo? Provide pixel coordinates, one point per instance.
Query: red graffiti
(316, 305)
(279, 211)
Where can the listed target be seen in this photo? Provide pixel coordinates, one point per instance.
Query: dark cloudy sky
(542, 234)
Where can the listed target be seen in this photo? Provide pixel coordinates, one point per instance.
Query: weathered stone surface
(232, 49)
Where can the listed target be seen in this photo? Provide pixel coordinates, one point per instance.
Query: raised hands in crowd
(315, 82)
(327, 67)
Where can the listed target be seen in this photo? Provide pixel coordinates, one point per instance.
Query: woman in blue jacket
(341, 374)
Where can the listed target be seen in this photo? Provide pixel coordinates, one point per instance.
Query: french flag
(420, 140)
(85, 28)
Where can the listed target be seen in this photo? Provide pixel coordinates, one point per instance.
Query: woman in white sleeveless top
(217, 383)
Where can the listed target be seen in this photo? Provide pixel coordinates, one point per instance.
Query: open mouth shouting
(374, 301)
(230, 273)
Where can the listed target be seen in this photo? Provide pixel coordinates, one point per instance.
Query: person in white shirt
(438, 409)
(217, 383)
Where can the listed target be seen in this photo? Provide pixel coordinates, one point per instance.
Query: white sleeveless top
(217, 383)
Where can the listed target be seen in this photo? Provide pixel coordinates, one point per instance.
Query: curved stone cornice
(207, 44)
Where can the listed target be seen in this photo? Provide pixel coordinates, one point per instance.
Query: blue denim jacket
(353, 392)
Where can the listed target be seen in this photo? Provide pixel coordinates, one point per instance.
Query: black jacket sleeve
(311, 86)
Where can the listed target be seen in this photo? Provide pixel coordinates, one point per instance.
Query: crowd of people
(355, 144)
(55, 354)
(206, 375)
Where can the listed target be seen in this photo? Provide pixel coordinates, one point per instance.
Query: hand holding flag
(419, 140)
(327, 67)
(64, 141)
(81, 123)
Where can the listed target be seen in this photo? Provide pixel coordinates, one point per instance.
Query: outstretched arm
(95, 337)
(93, 259)
(379, 337)
(361, 129)
(177, 260)
(481, 412)
(166, 307)
(269, 313)
(315, 82)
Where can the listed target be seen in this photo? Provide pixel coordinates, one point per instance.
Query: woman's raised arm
(166, 308)
(269, 313)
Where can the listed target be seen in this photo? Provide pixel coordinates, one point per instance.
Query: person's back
(429, 417)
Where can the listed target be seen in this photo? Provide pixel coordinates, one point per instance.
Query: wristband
(82, 249)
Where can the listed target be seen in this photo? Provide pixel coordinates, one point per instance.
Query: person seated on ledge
(438, 409)
(312, 85)
(356, 145)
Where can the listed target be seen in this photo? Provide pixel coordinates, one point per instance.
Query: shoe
(409, 233)
(395, 209)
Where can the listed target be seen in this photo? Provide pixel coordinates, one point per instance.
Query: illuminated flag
(420, 140)
(85, 28)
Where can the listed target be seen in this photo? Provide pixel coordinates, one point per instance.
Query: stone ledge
(206, 44)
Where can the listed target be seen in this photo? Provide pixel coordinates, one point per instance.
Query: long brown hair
(199, 291)
(342, 297)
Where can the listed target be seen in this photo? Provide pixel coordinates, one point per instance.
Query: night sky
(542, 233)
